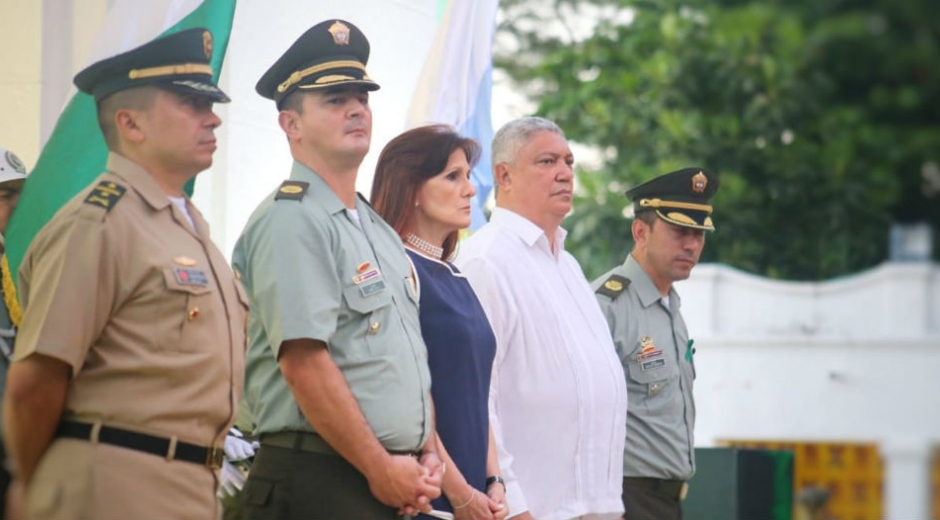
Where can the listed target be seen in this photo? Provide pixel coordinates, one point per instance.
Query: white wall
(851, 360)
(856, 358)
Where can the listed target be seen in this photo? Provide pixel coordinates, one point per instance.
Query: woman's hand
(474, 506)
(497, 495)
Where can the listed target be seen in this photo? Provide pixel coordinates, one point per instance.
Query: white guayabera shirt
(558, 398)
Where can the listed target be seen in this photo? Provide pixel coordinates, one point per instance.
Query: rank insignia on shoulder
(613, 286)
(292, 190)
(105, 195)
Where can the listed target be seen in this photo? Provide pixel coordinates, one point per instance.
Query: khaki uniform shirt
(654, 348)
(7, 338)
(151, 320)
(311, 272)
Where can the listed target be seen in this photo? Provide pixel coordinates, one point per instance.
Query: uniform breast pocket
(371, 319)
(655, 375)
(188, 324)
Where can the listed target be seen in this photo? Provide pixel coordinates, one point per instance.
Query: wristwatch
(495, 479)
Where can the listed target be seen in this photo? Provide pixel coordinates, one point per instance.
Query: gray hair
(515, 134)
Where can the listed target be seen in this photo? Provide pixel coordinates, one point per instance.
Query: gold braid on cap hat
(297, 76)
(170, 70)
(659, 203)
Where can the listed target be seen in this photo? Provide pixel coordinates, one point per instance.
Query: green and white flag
(76, 154)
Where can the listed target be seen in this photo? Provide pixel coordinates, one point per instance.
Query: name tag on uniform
(650, 365)
(372, 288)
(190, 276)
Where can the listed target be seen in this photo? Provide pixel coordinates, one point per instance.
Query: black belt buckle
(214, 457)
(409, 453)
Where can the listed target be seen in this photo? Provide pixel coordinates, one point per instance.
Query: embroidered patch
(650, 365)
(190, 276)
(105, 195)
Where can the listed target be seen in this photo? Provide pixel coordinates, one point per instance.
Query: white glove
(236, 448)
(233, 479)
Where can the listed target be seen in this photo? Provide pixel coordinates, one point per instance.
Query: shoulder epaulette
(105, 195)
(613, 286)
(292, 190)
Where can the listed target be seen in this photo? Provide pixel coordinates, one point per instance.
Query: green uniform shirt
(312, 272)
(654, 348)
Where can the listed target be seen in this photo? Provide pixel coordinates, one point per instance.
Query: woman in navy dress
(422, 188)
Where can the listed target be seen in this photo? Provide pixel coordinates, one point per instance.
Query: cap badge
(15, 163)
(699, 181)
(207, 44)
(340, 33)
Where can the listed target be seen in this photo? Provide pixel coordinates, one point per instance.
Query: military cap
(680, 197)
(178, 62)
(11, 168)
(330, 53)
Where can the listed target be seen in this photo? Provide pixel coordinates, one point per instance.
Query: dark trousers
(5, 479)
(289, 483)
(649, 499)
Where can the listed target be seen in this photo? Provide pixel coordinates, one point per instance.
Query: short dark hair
(648, 216)
(138, 98)
(293, 102)
(406, 163)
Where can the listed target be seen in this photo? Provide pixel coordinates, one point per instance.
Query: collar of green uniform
(319, 190)
(645, 289)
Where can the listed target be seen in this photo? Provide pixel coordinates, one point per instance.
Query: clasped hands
(408, 483)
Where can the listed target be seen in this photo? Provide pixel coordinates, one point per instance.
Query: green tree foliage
(822, 118)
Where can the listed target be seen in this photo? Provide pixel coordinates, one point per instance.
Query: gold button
(193, 313)
(374, 328)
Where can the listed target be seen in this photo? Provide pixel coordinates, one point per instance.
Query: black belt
(311, 442)
(211, 457)
(666, 487)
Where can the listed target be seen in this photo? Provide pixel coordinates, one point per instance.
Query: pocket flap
(655, 370)
(240, 291)
(258, 492)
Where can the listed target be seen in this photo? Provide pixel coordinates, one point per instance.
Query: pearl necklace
(424, 246)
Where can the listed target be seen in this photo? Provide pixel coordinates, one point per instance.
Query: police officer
(337, 373)
(12, 177)
(128, 365)
(642, 310)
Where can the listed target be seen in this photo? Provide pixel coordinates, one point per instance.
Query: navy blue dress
(461, 347)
